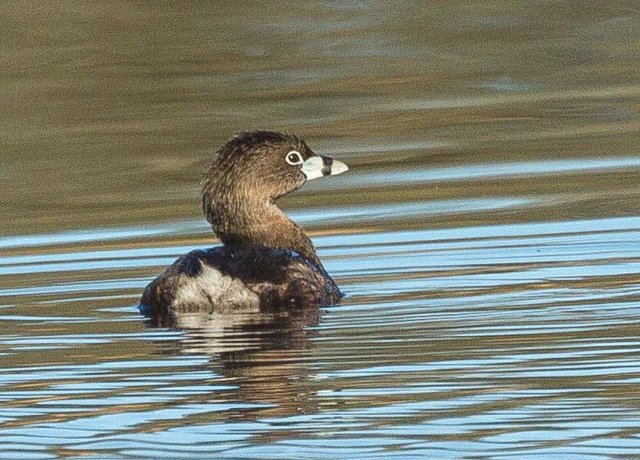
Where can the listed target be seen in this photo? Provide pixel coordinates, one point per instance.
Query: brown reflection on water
(110, 110)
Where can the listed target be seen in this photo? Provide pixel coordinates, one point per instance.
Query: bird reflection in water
(263, 354)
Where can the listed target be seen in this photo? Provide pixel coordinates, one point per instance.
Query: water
(487, 234)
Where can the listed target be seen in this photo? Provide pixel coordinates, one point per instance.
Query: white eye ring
(294, 158)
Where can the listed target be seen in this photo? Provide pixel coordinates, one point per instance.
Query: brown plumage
(266, 260)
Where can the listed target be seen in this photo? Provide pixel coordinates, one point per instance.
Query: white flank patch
(213, 288)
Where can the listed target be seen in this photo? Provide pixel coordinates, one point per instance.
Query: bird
(266, 261)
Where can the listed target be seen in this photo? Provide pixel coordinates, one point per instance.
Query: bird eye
(294, 158)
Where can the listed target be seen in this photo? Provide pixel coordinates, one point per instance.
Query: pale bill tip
(338, 167)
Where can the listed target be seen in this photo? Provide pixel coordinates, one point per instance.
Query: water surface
(487, 234)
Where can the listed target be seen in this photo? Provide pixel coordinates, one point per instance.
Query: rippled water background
(487, 235)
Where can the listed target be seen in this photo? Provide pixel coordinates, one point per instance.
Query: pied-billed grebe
(266, 260)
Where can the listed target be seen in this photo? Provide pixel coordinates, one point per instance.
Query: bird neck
(237, 218)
